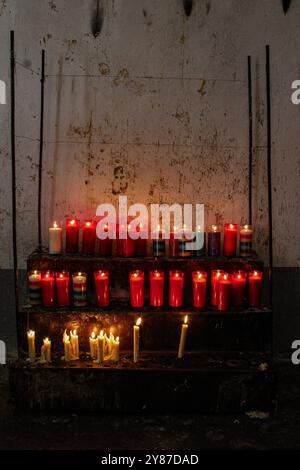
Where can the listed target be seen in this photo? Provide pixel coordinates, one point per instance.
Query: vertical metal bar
(250, 141)
(13, 173)
(269, 171)
(41, 152)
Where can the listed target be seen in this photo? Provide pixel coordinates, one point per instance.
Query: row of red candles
(226, 289)
(129, 247)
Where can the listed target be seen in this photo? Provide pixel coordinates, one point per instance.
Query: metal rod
(269, 170)
(250, 142)
(41, 152)
(13, 173)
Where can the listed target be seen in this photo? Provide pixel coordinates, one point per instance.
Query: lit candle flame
(138, 322)
(231, 226)
(35, 271)
(246, 227)
(255, 273)
(88, 223)
(186, 319)
(199, 275)
(101, 334)
(176, 274)
(55, 224)
(31, 333)
(93, 335)
(214, 228)
(72, 222)
(117, 339)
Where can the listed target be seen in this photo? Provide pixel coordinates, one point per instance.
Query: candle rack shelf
(235, 330)
(215, 383)
(43, 261)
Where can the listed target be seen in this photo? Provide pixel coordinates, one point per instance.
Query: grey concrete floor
(27, 430)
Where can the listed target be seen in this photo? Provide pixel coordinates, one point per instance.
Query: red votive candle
(104, 247)
(72, 235)
(176, 279)
(199, 288)
(238, 288)
(119, 244)
(173, 244)
(88, 237)
(214, 291)
(128, 245)
(141, 243)
(157, 288)
(254, 284)
(225, 290)
(102, 288)
(48, 289)
(230, 239)
(63, 289)
(136, 288)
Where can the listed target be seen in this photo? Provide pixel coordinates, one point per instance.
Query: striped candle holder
(246, 240)
(34, 283)
(79, 289)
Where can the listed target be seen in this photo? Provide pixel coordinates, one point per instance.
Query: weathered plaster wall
(155, 107)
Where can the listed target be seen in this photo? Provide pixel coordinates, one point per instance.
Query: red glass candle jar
(104, 247)
(157, 288)
(136, 279)
(119, 242)
(141, 242)
(48, 289)
(88, 237)
(230, 239)
(254, 288)
(214, 290)
(199, 288)
(72, 235)
(128, 244)
(239, 279)
(173, 243)
(176, 280)
(225, 290)
(101, 279)
(63, 288)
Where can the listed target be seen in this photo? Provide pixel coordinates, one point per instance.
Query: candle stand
(227, 362)
(226, 367)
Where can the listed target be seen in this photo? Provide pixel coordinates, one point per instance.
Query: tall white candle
(93, 346)
(101, 344)
(55, 239)
(46, 350)
(184, 329)
(75, 344)
(115, 352)
(136, 340)
(31, 345)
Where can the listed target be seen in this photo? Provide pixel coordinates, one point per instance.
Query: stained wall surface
(154, 107)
